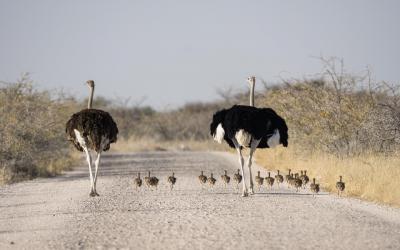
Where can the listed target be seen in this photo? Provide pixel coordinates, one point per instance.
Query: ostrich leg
(254, 144)
(241, 162)
(89, 160)
(97, 163)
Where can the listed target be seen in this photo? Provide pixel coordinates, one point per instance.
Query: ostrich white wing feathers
(274, 140)
(219, 135)
(80, 139)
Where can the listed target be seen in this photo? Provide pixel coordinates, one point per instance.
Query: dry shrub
(190, 122)
(338, 112)
(31, 132)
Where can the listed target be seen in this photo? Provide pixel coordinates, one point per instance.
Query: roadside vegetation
(31, 140)
(340, 123)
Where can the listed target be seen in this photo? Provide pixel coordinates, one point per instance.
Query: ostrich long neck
(252, 94)
(90, 98)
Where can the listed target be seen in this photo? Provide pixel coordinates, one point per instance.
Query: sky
(167, 53)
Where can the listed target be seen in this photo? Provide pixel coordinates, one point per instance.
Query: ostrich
(289, 178)
(151, 181)
(269, 180)
(225, 178)
(246, 126)
(340, 186)
(211, 180)
(172, 180)
(304, 178)
(138, 181)
(202, 178)
(259, 180)
(314, 187)
(237, 177)
(297, 182)
(92, 129)
(278, 178)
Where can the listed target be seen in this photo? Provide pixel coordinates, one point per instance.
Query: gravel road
(57, 213)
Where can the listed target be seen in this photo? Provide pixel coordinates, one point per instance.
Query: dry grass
(148, 144)
(369, 177)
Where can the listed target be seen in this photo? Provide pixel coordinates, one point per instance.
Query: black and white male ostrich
(92, 129)
(249, 127)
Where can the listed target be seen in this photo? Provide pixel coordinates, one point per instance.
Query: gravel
(57, 213)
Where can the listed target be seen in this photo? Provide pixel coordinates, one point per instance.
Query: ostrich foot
(245, 193)
(93, 194)
(251, 190)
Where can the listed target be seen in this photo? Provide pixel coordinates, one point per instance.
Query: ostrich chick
(269, 180)
(202, 178)
(304, 178)
(172, 180)
(211, 180)
(225, 178)
(259, 180)
(289, 177)
(297, 183)
(237, 177)
(138, 181)
(279, 178)
(340, 186)
(314, 187)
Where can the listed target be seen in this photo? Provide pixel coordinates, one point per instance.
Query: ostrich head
(90, 83)
(251, 80)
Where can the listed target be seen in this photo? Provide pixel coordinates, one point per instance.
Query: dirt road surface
(57, 213)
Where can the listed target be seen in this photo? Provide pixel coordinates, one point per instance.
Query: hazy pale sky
(178, 51)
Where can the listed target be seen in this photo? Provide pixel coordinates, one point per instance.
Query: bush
(31, 132)
(338, 112)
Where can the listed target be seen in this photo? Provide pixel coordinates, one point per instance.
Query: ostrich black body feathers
(93, 125)
(260, 123)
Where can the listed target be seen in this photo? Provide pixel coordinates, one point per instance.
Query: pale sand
(58, 213)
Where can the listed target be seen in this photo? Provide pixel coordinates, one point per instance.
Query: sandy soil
(58, 213)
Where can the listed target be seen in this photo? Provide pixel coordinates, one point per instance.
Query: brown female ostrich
(92, 129)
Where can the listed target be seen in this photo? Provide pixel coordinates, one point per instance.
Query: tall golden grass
(370, 177)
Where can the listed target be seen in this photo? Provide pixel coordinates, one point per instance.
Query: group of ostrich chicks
(294, 180)
(152, 181)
